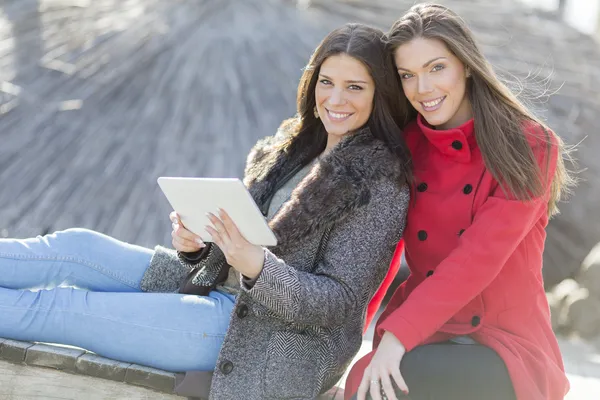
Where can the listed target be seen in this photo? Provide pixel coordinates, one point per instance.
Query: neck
(463, 114)
(332, 141)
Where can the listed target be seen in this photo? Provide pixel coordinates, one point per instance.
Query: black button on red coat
(429, 273)
(475, 321)
(468, 189)
(422, 235)
(422, 187)
(461, 232)
(457, 145)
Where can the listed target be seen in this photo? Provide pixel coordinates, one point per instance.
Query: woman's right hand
(184, 240)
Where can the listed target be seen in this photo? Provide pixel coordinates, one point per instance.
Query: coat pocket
(292, 366)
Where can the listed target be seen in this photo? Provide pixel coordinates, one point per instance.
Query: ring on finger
(220, 227)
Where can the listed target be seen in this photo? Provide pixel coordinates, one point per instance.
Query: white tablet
(192, 198)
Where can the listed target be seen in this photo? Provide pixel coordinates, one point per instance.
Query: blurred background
(100, 98)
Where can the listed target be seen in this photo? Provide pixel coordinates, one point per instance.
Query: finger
(363, 388)
(232, 229)
(216, 237)
(174, 217)
(184, 233)
(188, 244)
(375, 387)
(185, 241)
(387, 387)
(399, 380)
(219, 226)
(184, 247)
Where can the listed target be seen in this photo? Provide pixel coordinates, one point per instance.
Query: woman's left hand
(242, 255)
(385, 365)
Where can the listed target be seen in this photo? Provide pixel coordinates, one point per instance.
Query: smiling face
(344, 95)
(434, 81)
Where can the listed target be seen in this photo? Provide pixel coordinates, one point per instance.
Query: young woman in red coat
(472, 320)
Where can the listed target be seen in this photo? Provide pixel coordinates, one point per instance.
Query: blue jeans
(82, 288)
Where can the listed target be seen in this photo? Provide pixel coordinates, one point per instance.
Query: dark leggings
(450, 371)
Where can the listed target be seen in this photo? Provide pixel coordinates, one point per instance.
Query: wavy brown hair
(499, 116)
(367, 45)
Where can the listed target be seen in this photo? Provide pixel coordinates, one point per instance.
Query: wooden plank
(21, 382)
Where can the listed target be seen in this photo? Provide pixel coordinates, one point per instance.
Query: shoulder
(384, 214)
(267, 145)
(263, 155)
(544, 143)
(536, 133)
(364, 159)
(390, 191)
(388, 196)
(377, 174)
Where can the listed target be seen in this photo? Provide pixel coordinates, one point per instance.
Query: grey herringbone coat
(302, 321)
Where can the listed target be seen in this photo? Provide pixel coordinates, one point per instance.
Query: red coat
(475, 256)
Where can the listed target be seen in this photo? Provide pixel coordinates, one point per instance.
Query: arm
(498, 228)
(355, 260)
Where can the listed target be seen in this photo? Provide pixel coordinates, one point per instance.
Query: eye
(406, 76)
(355, 87)
(325, 81)
(437, 67)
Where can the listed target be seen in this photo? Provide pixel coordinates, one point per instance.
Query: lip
(433, 108)
(334, 119)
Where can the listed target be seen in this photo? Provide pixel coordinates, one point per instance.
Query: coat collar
(446, 140)
(337, 185)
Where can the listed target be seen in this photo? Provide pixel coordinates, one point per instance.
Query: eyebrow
(352, 81)
(426, 64)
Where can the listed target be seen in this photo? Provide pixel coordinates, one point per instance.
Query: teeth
(433, 103)
(337, 115)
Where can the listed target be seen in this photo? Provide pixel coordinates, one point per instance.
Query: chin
(336, 130)
(436, 120)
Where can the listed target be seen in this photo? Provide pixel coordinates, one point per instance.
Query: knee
(77, 232)
(81, 236)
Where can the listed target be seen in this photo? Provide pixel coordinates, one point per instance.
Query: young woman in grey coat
(274, 323)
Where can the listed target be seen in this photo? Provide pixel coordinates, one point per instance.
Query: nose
(337, 97)
(424, 85)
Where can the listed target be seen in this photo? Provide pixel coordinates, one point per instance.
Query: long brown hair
(367, 45)
(498, 114)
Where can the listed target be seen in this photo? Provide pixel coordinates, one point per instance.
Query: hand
(242, 255)
(184, 240)
(385, 363)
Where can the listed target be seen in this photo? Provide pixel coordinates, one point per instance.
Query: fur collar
(335, 187)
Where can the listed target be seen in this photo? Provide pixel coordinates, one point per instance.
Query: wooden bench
(77, 373)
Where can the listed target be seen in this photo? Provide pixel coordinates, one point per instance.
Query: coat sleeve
(194, 258)
(355, 261)
(498, 227)
(377, 299)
